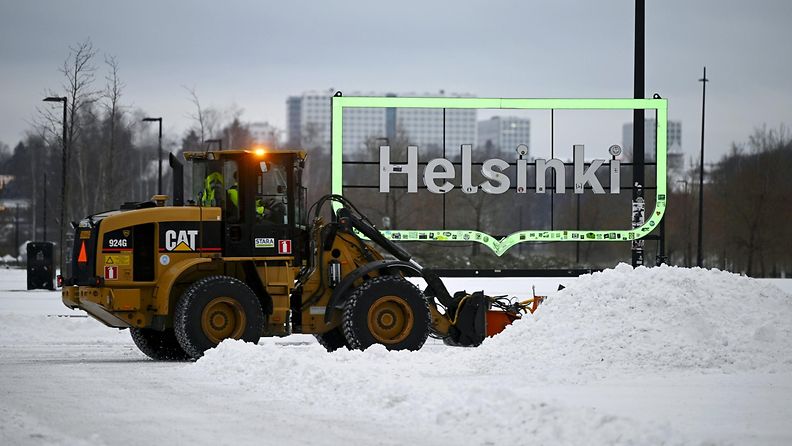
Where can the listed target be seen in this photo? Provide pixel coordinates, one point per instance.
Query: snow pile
(652, 318)
(616, 322)
(537, 383)
(432, 395)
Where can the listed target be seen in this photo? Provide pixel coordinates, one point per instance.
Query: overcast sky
(256, 53)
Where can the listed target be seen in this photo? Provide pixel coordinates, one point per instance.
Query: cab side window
(231, 175)
(271, 194)
(211, 192)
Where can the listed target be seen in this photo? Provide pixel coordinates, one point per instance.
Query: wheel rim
(223, 318)
(390, 320)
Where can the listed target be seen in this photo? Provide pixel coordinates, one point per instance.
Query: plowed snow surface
(644, 356)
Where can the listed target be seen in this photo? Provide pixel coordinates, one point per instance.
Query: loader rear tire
(158, 345)
(386, 310)
(216, 308)
(332, 340)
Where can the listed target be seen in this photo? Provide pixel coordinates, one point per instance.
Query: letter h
(386, 169)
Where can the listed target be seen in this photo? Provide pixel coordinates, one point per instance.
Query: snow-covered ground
(644, 356)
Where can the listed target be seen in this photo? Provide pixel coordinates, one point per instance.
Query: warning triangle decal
(83, 257)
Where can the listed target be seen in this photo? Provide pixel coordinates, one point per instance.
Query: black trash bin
(40, 266)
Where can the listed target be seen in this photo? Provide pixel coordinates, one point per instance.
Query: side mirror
(281, 189)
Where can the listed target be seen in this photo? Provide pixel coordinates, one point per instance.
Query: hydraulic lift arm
(436, 285)
(463, 320)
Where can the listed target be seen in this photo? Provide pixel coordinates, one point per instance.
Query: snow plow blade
(474, 319)
(498, 320)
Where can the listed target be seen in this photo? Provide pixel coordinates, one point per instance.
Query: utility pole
(577, 227)
(16, 232)
(638, 203)
(700, 257)
(44, 238)
(64, 183)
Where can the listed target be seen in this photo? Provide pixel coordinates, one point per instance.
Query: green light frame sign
(500, 246)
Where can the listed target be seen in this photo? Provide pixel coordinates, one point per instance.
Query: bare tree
(749, 201)
(5, 152)
(479, 202)
(317, 173)
(78, 71)
(398, 153)
(112, 95)
(236, 134)
(198, 115)
(206, 119)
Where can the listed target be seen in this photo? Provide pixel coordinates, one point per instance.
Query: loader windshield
(250, 187)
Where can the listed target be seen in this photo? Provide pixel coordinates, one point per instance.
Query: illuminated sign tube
(500, 246)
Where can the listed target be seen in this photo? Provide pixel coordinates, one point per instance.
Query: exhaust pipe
(178, 180)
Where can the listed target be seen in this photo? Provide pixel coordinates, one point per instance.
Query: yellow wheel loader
(240, 259)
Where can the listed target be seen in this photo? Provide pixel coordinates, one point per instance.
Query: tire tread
(158, 345)
(351, 307)
(193, 292)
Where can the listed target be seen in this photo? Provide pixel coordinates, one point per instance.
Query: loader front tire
(158, 345)
(332, 340)
(216, 308)
(386, 310)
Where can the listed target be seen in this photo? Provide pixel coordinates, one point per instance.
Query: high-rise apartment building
(434, 128)
(308, 121)
(293, 110)
(674, 141)
(675, 156)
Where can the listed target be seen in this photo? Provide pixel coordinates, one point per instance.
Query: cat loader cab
(260, 195)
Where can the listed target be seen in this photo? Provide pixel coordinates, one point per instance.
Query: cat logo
(182, 240)
(126, 233)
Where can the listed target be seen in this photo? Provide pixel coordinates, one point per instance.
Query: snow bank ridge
(656, 318)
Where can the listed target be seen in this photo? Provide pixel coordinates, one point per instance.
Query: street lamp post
(64, 183)
(159, 153)
(700, 256)
(44, 238)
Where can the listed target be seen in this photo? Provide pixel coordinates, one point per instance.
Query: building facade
(675, 156)
(293, 110)
(308, 121)
(673, 138)
(504, 133)
(264, 133)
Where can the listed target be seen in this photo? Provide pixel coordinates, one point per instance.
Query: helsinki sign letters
(439, 171)
(493, 170)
